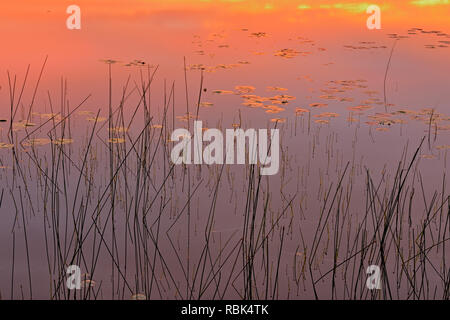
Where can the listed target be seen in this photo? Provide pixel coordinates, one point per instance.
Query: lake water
(86, 176)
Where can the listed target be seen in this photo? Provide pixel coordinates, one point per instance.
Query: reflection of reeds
(140, 227)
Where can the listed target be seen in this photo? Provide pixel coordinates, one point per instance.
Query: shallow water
(104, 195)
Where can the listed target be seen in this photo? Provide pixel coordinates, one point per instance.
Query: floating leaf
(87, 283)
(99, 119)
(258, 34)
(273, 109)
(287, 53)
(222, 92)
(276, 89)
(186, 117)
(299, 111)
(62, 141)
(359, 108)
(253, 104)
(244, 89)
(86, 113)
(116, 140)
(109, 61)
(23, 124)
(206, 104)
(318, 105)
(6, 145)
(36, 142)
(327, 115)
(118, 129)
